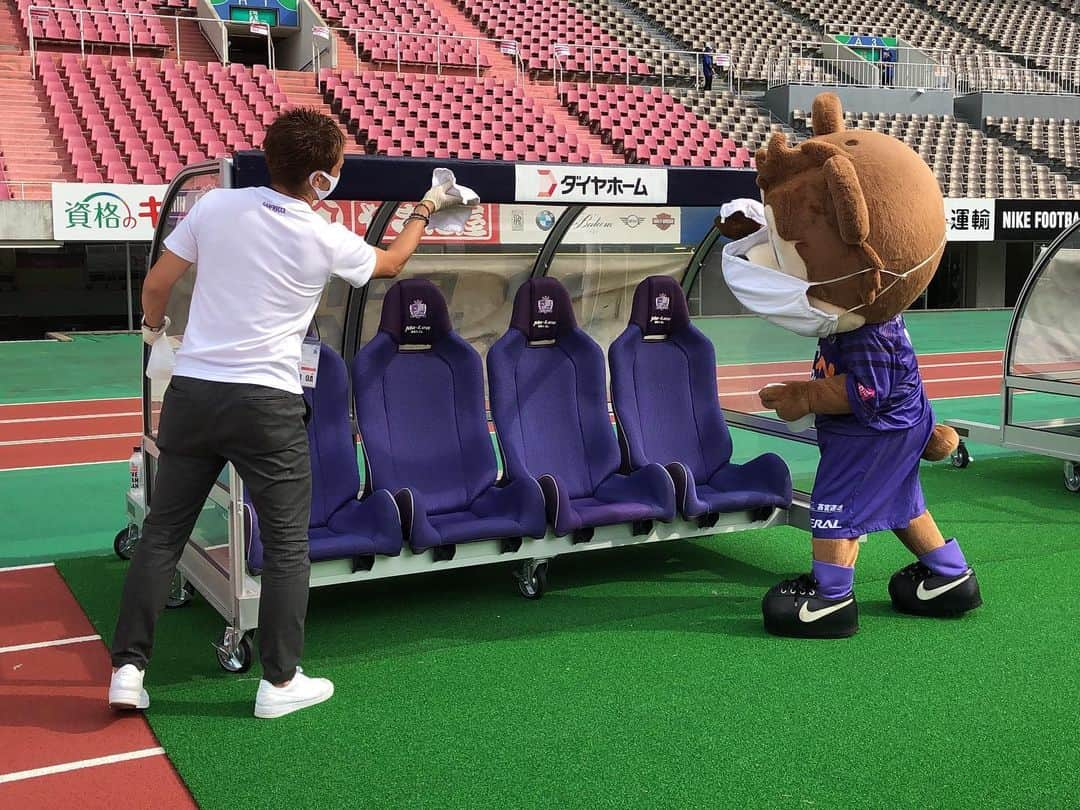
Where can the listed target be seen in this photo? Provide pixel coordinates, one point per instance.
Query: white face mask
(783, 299)
(323, 193)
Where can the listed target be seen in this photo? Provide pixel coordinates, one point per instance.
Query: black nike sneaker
(919, 591)
(794, 608)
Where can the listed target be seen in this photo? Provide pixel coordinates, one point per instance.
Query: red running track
(49, 434)
(60, 744)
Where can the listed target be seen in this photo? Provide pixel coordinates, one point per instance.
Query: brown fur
(852, 200)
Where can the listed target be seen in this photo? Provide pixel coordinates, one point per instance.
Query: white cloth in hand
(751, 209)
(452, 218)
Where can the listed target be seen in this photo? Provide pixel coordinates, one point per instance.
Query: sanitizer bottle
(135, 466)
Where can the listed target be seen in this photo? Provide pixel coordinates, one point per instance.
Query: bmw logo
(544, 220)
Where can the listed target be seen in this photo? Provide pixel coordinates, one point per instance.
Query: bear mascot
(854, 228)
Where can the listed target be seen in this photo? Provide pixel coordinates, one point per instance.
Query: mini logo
(545, 306)
(632, 221)
(417, 309)
(806, 615)
(546, 184)
(926, 594)
(663, 221)
(663, 302)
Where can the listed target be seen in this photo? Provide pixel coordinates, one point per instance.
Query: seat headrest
(542, 309)
(414, 312)
(659, 306)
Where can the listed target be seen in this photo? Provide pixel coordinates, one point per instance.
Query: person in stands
(264, 257)
(707, 69)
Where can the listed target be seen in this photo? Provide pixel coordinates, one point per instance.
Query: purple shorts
(868, 483)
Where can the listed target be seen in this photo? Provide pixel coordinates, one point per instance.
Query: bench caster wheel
(235, 652)
(1072, 476)
(532, 578)
(125, 541)
(961, 458)
(180, 594)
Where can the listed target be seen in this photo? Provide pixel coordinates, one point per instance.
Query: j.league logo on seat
(417, 309)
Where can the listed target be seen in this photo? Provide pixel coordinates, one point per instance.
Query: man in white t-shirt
(264, 257)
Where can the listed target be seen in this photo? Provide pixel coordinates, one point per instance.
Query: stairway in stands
(543, 94)
(301, 91)
(192, 44)
(30, 143)
(12, 36)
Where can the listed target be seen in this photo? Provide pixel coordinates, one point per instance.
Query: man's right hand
(438, 199)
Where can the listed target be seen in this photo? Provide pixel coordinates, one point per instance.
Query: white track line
(37, 645)
(78, 765)
(68, 418)
(57, 466)
(26, 567)
(17, 442)
(64, 401)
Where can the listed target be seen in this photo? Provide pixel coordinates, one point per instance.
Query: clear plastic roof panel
(608, 251)
(1045, 342)
(477, 271)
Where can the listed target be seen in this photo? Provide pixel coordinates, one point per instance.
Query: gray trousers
(261, 431)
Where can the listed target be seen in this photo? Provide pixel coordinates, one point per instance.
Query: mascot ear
(853, 218)
(848, 200)
(827, 116)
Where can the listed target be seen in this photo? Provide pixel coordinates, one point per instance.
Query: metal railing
(857, 73)
(561, 51)
(441, 44)
(1025, 73)
(84, 17)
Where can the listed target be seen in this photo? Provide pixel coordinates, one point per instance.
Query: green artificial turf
(643, 679)
(87, 367)
(56, 512)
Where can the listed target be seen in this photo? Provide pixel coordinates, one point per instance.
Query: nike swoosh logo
(807, 615)
(926, 594)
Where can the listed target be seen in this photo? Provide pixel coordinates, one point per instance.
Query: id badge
(309, 363)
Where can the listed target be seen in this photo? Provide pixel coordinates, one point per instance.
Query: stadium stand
(647, 125)
(966, 162)
(402, 16)
(141, 123)
(487, 118)
(1020, 26)
(1053, 140)
(919, 27)
(538, 26)
(751, 37)
(108, 117)
(112, 23)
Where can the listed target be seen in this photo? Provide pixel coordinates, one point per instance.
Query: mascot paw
(790, 400)
(943, 443)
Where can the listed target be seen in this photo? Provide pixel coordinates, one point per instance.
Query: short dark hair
(299, 142)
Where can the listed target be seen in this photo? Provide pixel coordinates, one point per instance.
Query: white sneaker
(126, 689)
(302, 691)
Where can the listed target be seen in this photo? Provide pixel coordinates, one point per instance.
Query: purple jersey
(883, 383)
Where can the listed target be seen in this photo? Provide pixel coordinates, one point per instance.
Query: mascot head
(856, 216)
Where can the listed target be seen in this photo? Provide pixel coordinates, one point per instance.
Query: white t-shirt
(263, 260)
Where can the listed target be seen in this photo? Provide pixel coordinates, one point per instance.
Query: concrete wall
(782, 100)
(294, 52)
(977, 106)
(25, 221)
